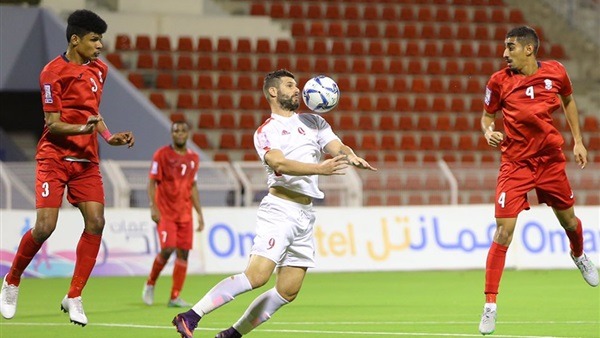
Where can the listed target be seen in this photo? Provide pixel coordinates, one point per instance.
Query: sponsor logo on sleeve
(488, 95)
(48, 94)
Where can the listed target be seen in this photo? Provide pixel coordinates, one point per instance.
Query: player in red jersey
(527, 92)
(172, 192)
(67, 155)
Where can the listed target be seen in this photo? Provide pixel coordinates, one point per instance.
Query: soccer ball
(321, 94)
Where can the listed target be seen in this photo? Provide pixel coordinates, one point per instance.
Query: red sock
(25, 253)
(576, 239)
(87, 251)
(157, 267)
(493, 270)
(179, 273)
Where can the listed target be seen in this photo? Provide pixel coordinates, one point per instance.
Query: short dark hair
(82, 22)
(184, 122)
(273, 79)
(525, 35)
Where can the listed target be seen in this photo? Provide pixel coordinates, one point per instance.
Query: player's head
(180, 132)
(521, 46)
(280, 88)
(84, 33)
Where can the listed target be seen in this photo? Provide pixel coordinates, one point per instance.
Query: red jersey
(527, 103)
(74, 91)
(175, 174)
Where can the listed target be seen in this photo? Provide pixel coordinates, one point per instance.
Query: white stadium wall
(347, 239)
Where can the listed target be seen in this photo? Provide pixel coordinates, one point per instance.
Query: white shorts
(284, 232)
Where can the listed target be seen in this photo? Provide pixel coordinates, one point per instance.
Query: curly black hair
(82, 22)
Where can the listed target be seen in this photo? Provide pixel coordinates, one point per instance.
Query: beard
(287, 103)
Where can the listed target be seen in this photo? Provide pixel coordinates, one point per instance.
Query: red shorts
(173, 234)
(546, 174)
(83, 180)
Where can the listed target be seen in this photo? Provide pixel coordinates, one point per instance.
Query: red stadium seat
(159, 100)
(185, 44)
(163, 43)
(123, 42)
(225, 82)
(164, 81)
(224, 63)
(393, 49)
(207, 121)
(370, 12)
(351, 12)
(387, 123)
(137, 80)
(204, 62)
(277, 10)
(224, 45)
(201, 140)
(185, 100)
(205, 82)
(226, 121)
(391, 31)
(445, 32)
(205, 45)
(145, 61)
(143, 43)
(184, 62)
(228, 141)
(282, 46)
(205, 101)
(243, 46)
(115, 60)
(165, 62)
(247, 121)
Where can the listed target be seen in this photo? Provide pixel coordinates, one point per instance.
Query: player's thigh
(167, 233)
(50, 179)
(85, 183)
(274, 230)
(259, 270)
(185, 235)
(301, 252)
(514, 181)
(553, 187)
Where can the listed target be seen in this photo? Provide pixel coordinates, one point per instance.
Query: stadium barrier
(346, 239)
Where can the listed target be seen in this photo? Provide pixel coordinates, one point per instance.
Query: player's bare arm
(493, 137)
(58, 127)
(154, 212)
(336, 147)
(197, 206)
(334, 166)
(572, 115)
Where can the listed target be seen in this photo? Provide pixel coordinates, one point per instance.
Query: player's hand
(334, 166)
(200, 224)
(494, 138)
(154, 214)
(90, 124)
(360, 163)
(580, 155)
(122, 138)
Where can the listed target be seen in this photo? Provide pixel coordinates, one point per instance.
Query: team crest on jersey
(48, 94)
(548, 84)
(488, 95)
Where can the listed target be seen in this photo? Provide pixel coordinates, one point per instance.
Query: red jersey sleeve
(51, 91)
(566, 88)
(155, 167)
(492, 103)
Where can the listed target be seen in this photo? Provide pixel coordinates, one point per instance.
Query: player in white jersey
(290, 146)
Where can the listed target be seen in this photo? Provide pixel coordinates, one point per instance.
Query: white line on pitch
(398, 334)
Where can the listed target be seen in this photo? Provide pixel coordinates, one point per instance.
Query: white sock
(491, 306)
(261, 310)
(222, 293)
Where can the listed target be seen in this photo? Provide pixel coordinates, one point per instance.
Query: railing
(239, 184)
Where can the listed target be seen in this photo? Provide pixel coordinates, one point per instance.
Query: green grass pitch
(555, 303)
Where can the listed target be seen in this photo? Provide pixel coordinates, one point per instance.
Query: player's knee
(42, 230)
(258, 279)
(95, 224)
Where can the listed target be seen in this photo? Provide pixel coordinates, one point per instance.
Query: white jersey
(301, 137)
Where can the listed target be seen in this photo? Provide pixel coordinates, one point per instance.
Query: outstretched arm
(572, 116)
(337, 148)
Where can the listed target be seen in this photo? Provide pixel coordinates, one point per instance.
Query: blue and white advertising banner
(346, 239)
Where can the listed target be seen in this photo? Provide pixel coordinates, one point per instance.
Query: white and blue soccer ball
(321, 94)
